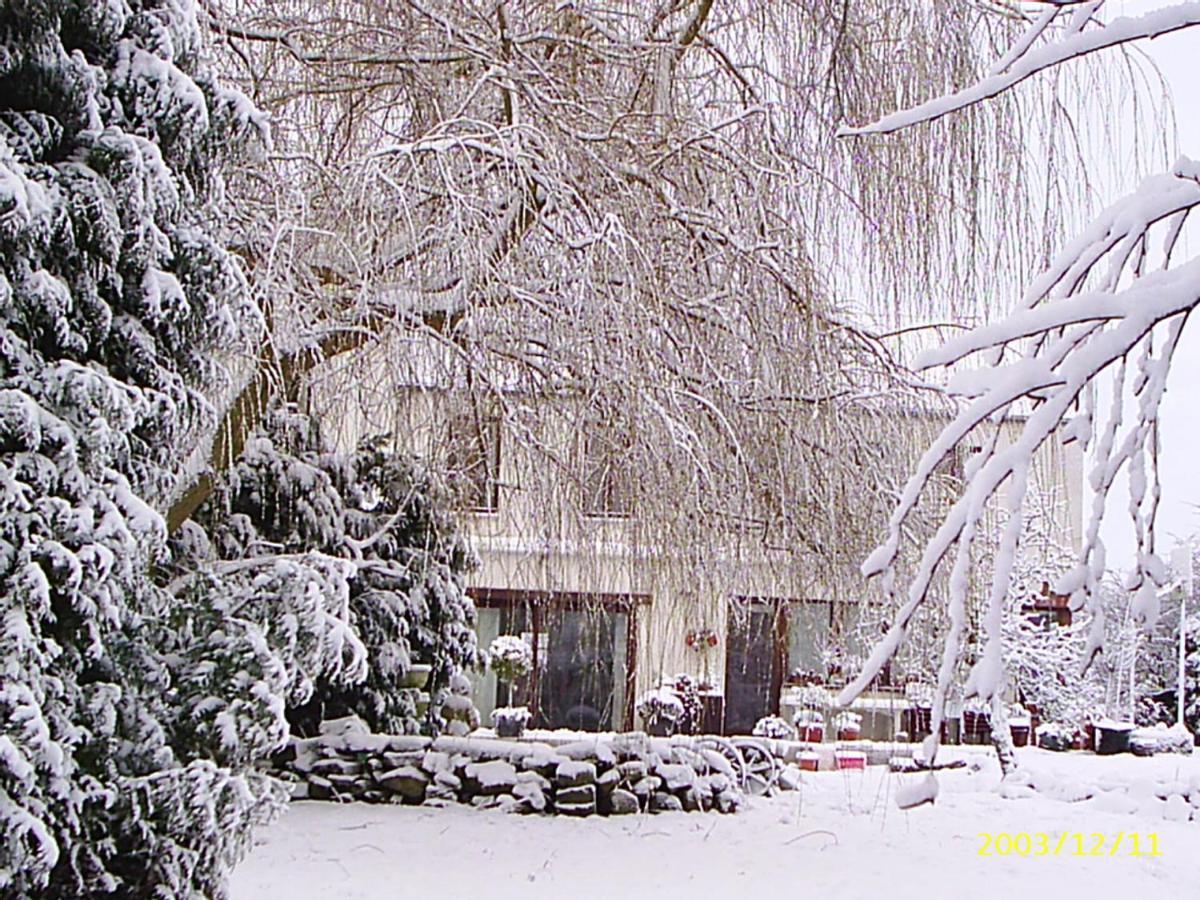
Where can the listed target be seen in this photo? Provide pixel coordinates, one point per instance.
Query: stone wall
(615, 775)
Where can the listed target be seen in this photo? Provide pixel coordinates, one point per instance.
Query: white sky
(1178, 58)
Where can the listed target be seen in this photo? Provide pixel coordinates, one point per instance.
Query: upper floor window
(607, 487)
(473, 458)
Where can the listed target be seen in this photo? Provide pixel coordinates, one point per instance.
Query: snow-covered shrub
(510, 657)
(1055, 736)
(370, 528)
(775, 728)
(660, 704)
(688, 693)
(510, 721)
(124, 752)
(847, 721)
(814, 697)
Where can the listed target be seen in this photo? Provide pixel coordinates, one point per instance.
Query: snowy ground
(840, 836)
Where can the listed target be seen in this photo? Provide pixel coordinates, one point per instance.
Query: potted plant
(1054, 736)
(810, 724)
(977, 728)
(510, 721)
(848, 725)
(774, 728)
(1019, 724)
(660, 709)
(417, 676)
(511, 659)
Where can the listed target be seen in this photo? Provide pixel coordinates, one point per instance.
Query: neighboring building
(566, 562)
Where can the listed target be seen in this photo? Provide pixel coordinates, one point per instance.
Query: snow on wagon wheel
(723, 756)
(761, 770)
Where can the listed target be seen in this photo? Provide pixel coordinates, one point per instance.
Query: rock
(647, 786)
(718, 782)
(690, 798)
(584, 793)
(575, 809)
(440, 792)
(374, 796)
(336, 766)
(608, 781)
(399, 759)
(727, 801)
(1176, 809)
(571, 774)
(483, 802)
(633, 770)
(534, 778)
(789, 777)
(676, 776)
(300, 790)
(631, 746)
(284, 757)
(718, 763)
(584, 751)
(407, 781)
(623, 803)
(492, 778)
(435, 761)
(343, 726)
(531, 796)
(319, 788)
(661, 801)
(448, 780)
(348, 785)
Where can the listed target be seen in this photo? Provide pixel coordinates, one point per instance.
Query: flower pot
(977, 727)
(1020, 735)
(417, 676)
(510, 728)
(814, 734)
(849, 732)
(850, 759)
(809, 762)
(1114, 739)
(660, 726)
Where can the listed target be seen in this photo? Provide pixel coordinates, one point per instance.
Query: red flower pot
(814, 734)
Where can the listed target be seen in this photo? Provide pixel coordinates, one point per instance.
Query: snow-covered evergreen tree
(382, 517)
(129, 713)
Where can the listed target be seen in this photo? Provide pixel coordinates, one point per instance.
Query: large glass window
(582, 652)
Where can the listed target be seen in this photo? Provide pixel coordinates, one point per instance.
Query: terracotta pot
(510, 728)
(809, 763)
(1020, 735)
(814, 734)
(850, 760)
(849, 733)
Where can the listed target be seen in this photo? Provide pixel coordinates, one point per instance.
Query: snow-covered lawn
(840, 836)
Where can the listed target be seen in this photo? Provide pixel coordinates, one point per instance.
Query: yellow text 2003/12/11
(1069, 843)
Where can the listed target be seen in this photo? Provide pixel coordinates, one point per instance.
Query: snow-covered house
(568, 561)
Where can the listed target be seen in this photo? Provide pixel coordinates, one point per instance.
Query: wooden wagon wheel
(761, 767)
(715, 749)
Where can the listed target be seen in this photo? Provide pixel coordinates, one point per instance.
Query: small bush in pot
(774, 728)
(511, 659)
(810, 725)
(510, 721)
(848, 725)
(661, 710)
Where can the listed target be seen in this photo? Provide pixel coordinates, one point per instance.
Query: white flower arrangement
(661, 703)
(510, 657)
(775, 728)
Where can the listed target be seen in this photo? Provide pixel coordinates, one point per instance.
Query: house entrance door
(753, 670)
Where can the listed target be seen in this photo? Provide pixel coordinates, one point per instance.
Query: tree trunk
(1002, 736)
